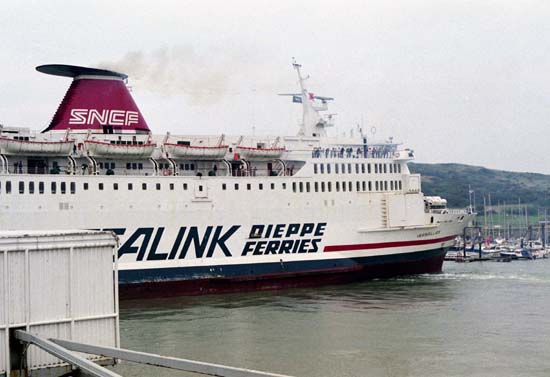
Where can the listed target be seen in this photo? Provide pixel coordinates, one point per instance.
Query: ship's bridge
(354, 150)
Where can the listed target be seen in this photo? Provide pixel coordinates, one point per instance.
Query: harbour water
(476, 319)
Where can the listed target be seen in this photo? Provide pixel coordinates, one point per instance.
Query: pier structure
(59, 284)
(59, 313)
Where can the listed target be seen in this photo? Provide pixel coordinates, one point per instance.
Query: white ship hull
(176, 237)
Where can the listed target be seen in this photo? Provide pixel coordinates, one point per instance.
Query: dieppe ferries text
(262, 240)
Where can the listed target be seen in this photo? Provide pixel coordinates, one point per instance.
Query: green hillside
(451, 182)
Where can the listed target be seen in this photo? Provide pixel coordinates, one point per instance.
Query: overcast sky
(457, 81)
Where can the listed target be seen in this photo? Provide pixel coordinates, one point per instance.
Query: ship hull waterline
(170, 282)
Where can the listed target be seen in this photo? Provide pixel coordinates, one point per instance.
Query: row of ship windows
(139, 166)
(41, 187)
(378, 168)
(63, 188)
(348, 186)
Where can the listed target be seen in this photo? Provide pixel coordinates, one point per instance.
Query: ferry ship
(200, 214)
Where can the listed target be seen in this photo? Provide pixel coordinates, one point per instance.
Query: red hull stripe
(384, 245)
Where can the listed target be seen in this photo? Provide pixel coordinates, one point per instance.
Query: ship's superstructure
(198, 214)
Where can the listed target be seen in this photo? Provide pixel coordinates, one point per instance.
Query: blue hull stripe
(285, 268)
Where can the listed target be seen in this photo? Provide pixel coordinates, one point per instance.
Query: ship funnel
(97, 100)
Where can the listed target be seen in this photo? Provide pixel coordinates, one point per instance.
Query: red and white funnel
(96, 100)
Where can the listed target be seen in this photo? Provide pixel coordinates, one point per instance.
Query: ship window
(192, 166)
(224, 186)
(144, 186)
(63, 187)
(284, 186)
(322, 166)
(128, 165)
(368, 168)
(85, 185)
(335, 168)
(399, 168)
(40, 187)
(322, 186)
(293, 186)
(386, 185)
(391, 168)
(186, 167)
(350, 186)
(363, 168)
(185, 186)
(349, 168)
(308, 187)
(260, 186)
(8, 187)
(357, 186)
(100, 186)
(376, 185)
(130, 187)
(200, 187)
(376, 168)
(72, 187)
(344, 186)
(391, 184)
(385, 167)
(171, 186)
(273, 186)
(316, 186)
(158, 186)
(343, 168)
(134, 166)
(248, 186)
(301, 186)
(112, 165)
(370, 186)
(400, 185)
(53, 187)
(100, 165)
(337, 186)
(115, 186)
(329, 186)
(236, 186)
(314, 168)
(31, 187)
(21, 187)
(328, 168)
(364, 186)
(140, 166)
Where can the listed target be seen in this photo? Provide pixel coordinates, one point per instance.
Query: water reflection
(377, 294)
